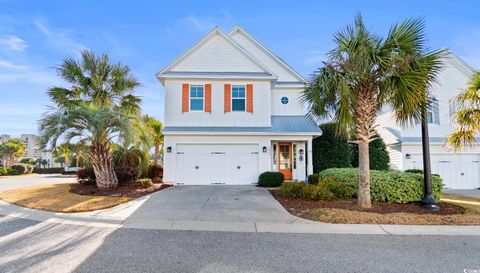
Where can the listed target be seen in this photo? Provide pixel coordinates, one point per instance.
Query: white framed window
(430, 117)
(196, 97)
(238, 98)
(453, 106)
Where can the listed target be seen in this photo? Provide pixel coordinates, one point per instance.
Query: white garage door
(205, 164)
(457, 171)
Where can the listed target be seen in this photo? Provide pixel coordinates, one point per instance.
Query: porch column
(309, 157)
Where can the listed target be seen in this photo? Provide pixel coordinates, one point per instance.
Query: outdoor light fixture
(408, 156)
(301, 151)
(169, 149)
(264, 149)
(301, 155)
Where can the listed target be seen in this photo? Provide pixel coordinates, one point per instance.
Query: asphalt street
(29, 246)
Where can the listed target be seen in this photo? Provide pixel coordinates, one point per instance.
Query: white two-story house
(458, 170)
(233, 111)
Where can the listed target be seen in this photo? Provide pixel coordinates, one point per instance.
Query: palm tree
(97, 109)
(156, 133)
(63, 151)
(364, 73)
(467, 117)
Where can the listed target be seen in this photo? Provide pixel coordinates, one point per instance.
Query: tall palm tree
(156, 132)
(366, 72)
(98, 108)
(467, 117)
(63, 151)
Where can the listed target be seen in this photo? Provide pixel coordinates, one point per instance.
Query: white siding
(260, 117)
(292, 108)
(264, 58)
(264, 161)
(217, 54)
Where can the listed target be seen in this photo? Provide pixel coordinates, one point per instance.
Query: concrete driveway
(236, 204)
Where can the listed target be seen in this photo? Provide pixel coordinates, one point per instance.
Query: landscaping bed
(346, 211)
(130, 189)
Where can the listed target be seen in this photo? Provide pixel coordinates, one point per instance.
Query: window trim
(190, 98)
(238, 98)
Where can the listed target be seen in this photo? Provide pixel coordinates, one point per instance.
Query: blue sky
(35, 36)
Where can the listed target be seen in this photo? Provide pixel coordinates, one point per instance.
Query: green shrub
(326, 189)
(270, 179)
(386, 186)
(292, 189)
(13, 172)
(379, 157)
(414, 171)
(155, 172)
(330, 150)
(21, 168)
(313, 179)
(145, 182)
(3, 171)
(126, 174)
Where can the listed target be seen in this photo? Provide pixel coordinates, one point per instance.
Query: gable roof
(460, 64)
(281, 63)
(233, 48)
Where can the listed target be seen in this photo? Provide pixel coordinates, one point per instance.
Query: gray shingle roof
(280, 124)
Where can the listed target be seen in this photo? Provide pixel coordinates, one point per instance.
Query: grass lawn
(58, 198)
(455, 210)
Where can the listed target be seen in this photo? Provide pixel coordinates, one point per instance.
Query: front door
(285, 159)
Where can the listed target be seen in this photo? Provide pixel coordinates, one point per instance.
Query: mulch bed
(131, 189)
(300, 205)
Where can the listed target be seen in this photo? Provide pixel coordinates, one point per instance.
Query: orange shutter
(249, 98)
(208, 98)
(227, 97)
(185, 97)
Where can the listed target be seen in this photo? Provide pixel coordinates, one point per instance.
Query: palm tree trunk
(101, 158)
(155, 156)
(364, 175)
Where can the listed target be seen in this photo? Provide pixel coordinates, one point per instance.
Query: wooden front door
(285, 159)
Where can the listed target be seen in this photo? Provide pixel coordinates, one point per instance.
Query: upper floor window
(238, 98)
(454, 106)
(284, 100)
(196, 97)
(433, 113)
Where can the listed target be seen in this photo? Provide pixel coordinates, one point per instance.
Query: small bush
(326, 189)
(145, 182)
(270, 179)
(126, 174)
(21, 168)
(29, 168)
(313, 179)
(86, 176)
(47, 170)
(414, 171)
(292, 189)
(13, 172)
(386, 186)
(3, 171)
(155, 172)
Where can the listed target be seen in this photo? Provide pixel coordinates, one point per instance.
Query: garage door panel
(205, 164)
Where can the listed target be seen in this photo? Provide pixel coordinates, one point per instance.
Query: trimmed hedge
(270, 179)
(379, 157)
(20, 168)
(328, 144)
(326, 189)
(386, 186)
(47, 170)
(414, 171)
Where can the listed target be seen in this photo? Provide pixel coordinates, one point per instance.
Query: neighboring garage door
(457, 171)
(206, 164)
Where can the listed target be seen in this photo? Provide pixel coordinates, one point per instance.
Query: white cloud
(21, 73)
(59, 37)
(13, 43)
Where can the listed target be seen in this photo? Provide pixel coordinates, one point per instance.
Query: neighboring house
(32, 149)
(458, 170)
(232, 111)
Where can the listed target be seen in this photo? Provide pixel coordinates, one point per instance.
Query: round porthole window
(284, 100)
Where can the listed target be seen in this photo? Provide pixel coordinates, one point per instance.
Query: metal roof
(280, 125)
(215, 73)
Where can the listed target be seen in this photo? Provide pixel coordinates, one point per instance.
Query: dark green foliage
(387, 186)
(3, 171)
(326, 189)
(13, 172)
(86, 176)
(313, 179)
(20, 168)
(48, 170)
(330, 150)
(414, 171)
(379, 158)
(270, 179)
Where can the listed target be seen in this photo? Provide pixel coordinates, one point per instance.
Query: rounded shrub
(126, 174)
(386, 186)
(20, 168)
(270, 179)
(86, 176)
(155, 172)
(13, 172)
(414, 171)
(313, 179)
(3, 171)
(292, 189)
(330, 150)
(145, 182)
